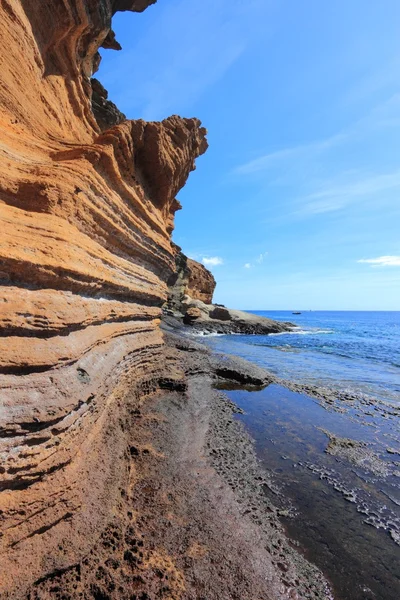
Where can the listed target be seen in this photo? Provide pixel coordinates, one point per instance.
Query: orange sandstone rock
(86, 215)
(201, 283)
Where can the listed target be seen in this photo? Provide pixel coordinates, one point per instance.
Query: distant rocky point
(190, 302)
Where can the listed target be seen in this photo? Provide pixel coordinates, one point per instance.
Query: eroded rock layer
(190, 278)
(86, 214)
(201, 284)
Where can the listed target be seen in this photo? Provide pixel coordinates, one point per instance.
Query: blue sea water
(353, 351)
(346, 511)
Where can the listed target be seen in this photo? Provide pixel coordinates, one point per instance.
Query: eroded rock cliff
(190, 278)
(201, 284)
(86, 213)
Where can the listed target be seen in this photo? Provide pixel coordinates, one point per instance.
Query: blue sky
(296, 203)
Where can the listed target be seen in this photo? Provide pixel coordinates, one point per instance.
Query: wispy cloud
(382, 116)
(212, 261)
(261, 257)
(382, 261)
(273, 159)
(257, 261)
(377, 80)
(334, 196)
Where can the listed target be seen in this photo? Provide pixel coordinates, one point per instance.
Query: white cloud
(382, 261)
(261, 257)
(212, 261)
(258, 261)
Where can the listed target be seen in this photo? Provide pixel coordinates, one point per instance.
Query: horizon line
(322, 310)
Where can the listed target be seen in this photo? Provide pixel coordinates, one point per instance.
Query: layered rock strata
(189, 279)
(85, 253)
(201, 283)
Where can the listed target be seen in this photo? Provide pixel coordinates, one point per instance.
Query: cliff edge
(87, 206)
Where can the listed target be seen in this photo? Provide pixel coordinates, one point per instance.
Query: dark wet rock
(226, 370)
(393, 451)
(355, 452)
(211, 318)
(191, 315)
(220, 313)
(205, 475)
(237, 370)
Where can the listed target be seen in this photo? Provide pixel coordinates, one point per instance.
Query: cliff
(189, 279)
(87, 206)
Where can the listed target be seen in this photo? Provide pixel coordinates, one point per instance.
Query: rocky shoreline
(203, 318)
(338, 400)
(194, 520)
(354, 460)
(124, 473)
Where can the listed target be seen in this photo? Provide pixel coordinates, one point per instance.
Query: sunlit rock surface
(85, 253)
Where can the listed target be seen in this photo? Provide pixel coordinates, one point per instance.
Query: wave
(304, 332)
(206, 334)
(288, 348)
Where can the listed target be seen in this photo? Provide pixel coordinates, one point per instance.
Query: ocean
(352, 351)
(335, 467)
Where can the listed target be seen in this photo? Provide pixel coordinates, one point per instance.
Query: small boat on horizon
(296, 313)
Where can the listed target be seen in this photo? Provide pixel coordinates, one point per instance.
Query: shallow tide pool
(340, 476)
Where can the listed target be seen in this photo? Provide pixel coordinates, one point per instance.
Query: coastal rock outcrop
(87, 201)
(201, 283)
(190, 297)
(214, 318)
(189, 279)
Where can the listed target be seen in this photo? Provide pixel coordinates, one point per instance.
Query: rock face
(201, 283)
(191, 315)
(189, 279)
(87, 211)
